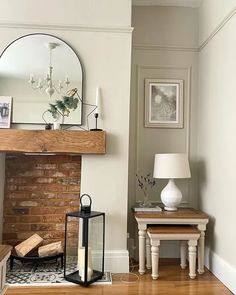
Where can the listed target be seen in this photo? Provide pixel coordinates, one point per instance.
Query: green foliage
(53, 110)
(64, 106)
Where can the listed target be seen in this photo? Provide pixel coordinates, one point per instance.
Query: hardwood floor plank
(172, 280)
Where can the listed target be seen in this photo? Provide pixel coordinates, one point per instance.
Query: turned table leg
(155, 258)
(142, 248)
(148, 252)
(183, 254)
(192, 258)
(201, 246)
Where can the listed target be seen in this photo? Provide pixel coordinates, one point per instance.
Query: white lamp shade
(171, 166)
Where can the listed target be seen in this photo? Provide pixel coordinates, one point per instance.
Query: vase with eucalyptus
(145, 183)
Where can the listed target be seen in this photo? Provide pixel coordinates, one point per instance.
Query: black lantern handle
(85, 208)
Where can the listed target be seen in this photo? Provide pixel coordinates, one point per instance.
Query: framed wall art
(164, 103)
(5, 111)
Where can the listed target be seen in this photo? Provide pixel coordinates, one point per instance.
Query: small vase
(56, 125)
(146, 203)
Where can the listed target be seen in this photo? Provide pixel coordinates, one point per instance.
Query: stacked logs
(34, 242)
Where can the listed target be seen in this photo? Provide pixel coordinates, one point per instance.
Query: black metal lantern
(84, 245)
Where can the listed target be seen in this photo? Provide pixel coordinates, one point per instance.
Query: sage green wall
(164, 47)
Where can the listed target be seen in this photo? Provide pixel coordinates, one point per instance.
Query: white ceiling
(184, 3)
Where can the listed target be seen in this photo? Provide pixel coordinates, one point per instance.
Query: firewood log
(50, 249)
(28, 245)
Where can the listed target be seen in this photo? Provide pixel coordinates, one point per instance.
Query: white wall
(103, 41)
(211, 14)
(71, 12)
(164, 47)
(217, 129)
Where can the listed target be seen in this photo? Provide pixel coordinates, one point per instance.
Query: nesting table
(188, 216)
(5, 252)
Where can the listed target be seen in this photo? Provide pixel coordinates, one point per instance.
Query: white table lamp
(171, 166)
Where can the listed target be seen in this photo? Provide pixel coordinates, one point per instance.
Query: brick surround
(39, 190)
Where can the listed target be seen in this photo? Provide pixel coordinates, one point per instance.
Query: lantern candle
(89, 274)
(81, 263)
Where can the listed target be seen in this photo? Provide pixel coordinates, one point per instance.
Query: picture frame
(164, 103)
(5, 111)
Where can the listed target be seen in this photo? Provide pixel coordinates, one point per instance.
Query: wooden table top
(4, 250)
(188, 213)
(171, 229)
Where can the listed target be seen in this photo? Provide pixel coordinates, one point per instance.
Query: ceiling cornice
(181, 3)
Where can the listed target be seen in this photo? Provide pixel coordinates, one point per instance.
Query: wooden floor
(172, 280)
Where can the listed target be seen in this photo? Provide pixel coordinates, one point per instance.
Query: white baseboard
(221, 269)
(117, 261)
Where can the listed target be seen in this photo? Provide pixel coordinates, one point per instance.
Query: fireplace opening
(39, 191)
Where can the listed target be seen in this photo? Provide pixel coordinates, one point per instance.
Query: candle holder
(96, 123)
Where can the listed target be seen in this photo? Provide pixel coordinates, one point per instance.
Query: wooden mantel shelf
(52, 141)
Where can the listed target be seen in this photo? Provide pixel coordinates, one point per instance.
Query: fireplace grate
(35, 260)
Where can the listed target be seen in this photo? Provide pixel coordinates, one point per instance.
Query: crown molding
(168, 3)
(218, 28)
(128, 30)
(204, 43)
(107, 29)
(163, 47)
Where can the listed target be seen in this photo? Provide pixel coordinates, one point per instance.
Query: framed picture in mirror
(164, 103)
(5, 111)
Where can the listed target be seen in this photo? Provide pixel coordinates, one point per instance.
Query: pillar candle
(89, 274)
(81, 263)
(98, 100)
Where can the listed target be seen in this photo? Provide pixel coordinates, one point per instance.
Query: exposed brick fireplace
(39, 190)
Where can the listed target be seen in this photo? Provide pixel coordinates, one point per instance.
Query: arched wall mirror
(36, 70)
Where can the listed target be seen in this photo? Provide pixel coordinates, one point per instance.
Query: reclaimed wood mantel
(52, 141)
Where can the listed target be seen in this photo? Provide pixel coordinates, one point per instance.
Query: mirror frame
(82, 71)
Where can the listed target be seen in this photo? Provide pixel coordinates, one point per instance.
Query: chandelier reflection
(47, 84)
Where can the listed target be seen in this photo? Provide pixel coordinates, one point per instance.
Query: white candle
(98, 99)
(81, 263)
(89, 274)
(67, 81)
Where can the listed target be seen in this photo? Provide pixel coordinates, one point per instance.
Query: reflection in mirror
(36, 70)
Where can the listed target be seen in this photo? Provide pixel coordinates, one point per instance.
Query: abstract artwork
(163, 103)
